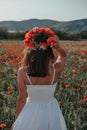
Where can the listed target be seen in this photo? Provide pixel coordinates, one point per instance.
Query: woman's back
(55, 70)
(37, 108)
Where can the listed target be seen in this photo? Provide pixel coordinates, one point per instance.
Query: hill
(69, 26)
(72, 26)
(27, 24)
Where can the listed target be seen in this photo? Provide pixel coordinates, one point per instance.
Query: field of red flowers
(71, 91)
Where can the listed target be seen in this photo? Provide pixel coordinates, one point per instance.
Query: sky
(60, 10)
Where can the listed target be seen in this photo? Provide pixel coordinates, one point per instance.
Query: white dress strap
(53, 75)
(29, 79)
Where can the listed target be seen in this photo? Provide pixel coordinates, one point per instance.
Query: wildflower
(81, 102)
(9, 88)
(78, 89)
(84, 69)
(2, 125)
(84, 86)
(10, 92)
(79, 84)
(75, 90)
(74, 70)
(68, 85)
(85, 98)
(1, 71)
(74, 75)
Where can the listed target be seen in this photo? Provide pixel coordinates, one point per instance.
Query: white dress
(42, 110)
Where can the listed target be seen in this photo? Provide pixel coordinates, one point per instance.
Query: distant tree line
(71, 36)
(18, 35)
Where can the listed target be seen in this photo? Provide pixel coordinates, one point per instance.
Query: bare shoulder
(22, 70)
(60, 63)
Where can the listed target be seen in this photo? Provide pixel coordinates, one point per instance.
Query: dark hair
(37, 60)
(41, 37)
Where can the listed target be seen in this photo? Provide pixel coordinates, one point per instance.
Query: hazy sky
(60, 10)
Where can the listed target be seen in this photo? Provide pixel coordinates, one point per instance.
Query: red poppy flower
(78, 89)
(1, 71)
(2, 125)
(9, 88)
(85, 98)
(10, 92)
(48, 31)
(81, 102)
(74, 75)
(51, 41)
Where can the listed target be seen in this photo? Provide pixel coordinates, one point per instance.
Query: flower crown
(30, 35)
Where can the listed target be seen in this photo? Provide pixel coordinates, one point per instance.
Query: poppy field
(71, 91)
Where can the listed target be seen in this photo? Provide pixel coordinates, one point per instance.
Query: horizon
(41, 19)
(64, 10)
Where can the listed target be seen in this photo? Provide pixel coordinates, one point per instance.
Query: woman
(37, 108)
